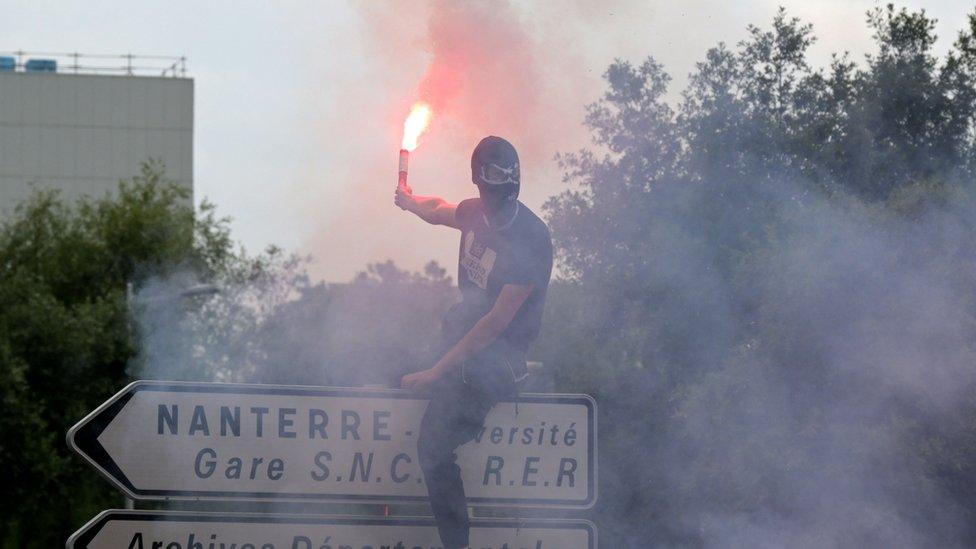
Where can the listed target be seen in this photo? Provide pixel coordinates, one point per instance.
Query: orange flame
(415, 124)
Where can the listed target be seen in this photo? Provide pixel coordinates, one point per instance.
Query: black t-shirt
(519, 252)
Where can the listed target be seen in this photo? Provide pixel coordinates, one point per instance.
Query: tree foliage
(68, 337)
(371, 331)
(769, 291)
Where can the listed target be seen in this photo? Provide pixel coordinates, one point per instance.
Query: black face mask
(495, 197)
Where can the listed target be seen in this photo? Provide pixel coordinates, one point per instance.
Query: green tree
(371, 331)
(769, 289)
(68, 340)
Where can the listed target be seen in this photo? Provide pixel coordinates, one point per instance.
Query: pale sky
(299, 104)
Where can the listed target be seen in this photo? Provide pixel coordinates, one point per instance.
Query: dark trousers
(457, 411)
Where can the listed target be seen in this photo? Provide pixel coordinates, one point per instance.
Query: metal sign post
(169, 440)
(189, 530)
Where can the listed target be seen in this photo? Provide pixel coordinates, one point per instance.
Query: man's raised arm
(432, 209)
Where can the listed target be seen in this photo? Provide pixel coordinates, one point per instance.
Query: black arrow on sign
(83, 438)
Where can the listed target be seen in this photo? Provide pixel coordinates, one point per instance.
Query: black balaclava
(495, 170)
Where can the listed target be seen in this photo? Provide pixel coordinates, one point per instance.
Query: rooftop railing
(89, 63)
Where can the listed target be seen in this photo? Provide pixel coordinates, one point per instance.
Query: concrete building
(82, 133)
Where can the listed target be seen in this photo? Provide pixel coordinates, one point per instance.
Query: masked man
(504, 265)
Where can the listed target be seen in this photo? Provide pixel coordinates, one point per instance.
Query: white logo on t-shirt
(478, 261)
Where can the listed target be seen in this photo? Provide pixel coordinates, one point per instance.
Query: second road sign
(168, 440)
(189, 530)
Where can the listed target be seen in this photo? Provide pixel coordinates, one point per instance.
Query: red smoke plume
(483, 72)
(483, 69)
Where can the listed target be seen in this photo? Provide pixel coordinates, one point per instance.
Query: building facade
(83, 133)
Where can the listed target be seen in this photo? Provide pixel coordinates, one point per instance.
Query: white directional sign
(167, 440)
(119, 529)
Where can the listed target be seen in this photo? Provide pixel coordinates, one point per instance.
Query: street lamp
(197, 290)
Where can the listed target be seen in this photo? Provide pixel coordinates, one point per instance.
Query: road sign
(169, 440)
(189, 530)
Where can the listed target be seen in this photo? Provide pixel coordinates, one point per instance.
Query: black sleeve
(466, 213)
